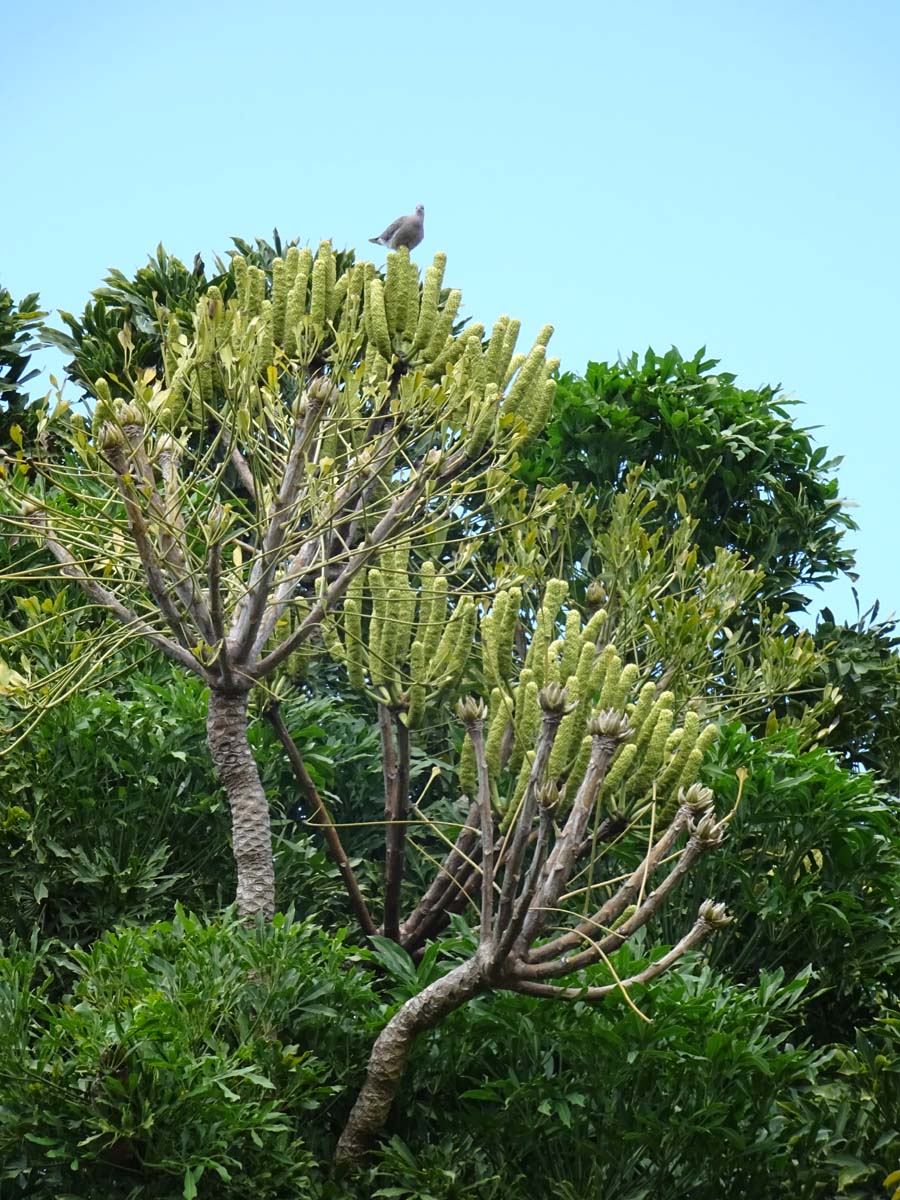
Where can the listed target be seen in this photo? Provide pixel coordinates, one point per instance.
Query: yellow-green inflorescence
(400, 333)
(405, 639)
(400, 634)
(657, 758)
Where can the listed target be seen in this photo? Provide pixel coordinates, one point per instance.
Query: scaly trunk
(251, 832)
(387, 1062)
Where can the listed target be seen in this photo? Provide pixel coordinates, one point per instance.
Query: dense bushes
(193, 1057)
(188, 1051)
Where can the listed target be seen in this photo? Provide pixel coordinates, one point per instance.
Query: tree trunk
(251, 832)
(387, 1062)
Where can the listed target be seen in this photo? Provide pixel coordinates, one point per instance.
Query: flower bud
(609, 724)
(715, 915)
(471, 710)
(696, 797)
(552, 699)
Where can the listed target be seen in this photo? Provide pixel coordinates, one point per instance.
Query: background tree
(19, 326)
(752, 478)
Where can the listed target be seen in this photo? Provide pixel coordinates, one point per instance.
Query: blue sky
(656, 173)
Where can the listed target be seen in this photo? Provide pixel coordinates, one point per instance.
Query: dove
(405, 231)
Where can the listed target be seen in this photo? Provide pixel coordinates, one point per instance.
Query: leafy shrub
(809, 869)
(597, 1098)
(111, 812)
(191, 1052)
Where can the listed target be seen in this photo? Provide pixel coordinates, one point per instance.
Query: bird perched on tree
(405, 231)
(199, 266)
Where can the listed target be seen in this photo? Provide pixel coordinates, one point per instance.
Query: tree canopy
(500, 675)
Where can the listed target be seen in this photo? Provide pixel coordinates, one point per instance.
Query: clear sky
(646, 172)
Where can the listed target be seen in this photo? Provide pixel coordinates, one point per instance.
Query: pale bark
(387, 1062)
(251, 832)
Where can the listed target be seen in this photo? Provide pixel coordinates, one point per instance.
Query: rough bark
(387, 1062)
(226, 735)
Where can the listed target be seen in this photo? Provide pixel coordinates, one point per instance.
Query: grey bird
(405, 231)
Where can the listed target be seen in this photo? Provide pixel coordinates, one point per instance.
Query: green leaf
(393, 958)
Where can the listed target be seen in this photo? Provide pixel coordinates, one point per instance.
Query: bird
(405, 231)
(199, 266)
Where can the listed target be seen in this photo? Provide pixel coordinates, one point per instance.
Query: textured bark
(387, 1062)
(251, 832)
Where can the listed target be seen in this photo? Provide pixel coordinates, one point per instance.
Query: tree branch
(283, 508)
(432, 906)
(323, 820)
(699, 932)
(122, 614)
(556, 870)
(525, 817)
(616, 904)
(614, 938)
(358, 559)
(475, 729)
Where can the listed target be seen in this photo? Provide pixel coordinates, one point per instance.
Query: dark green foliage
(809, 870)
(110, 811)
(204, 1058)
(19, 326)
(752, 477)
(187, 1054)
(863, 661)
(97, 340)
(715, 1097)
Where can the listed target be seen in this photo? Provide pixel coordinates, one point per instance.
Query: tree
(345, 414)
(862, 659)
(298, 451)
(754, 480)
(531, 871)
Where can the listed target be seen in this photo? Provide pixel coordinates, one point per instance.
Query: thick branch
(559, 865)
(156, 581)
(251, 834)
(392, 519)
(476, 736)
(525, 817)
(523, 904)
(613, 939)
(322, 821)
(243, 472)
(283, 508)
(387, 1062)
(174, 546)
(600, 921)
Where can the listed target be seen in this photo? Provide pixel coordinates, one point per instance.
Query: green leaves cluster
(20, 326)
(188, 1052)
(753, 477)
